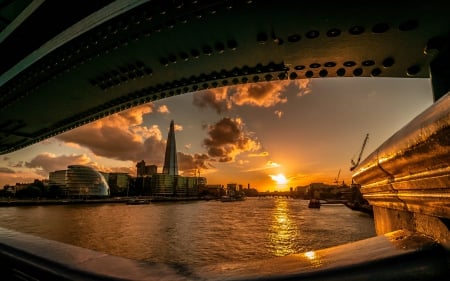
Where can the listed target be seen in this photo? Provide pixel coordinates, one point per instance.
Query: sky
(269, 135)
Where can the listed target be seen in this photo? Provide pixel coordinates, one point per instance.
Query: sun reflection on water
(313, 258)
(283, 230)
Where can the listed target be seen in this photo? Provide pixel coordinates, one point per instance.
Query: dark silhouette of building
(145, 170)
(170, 160)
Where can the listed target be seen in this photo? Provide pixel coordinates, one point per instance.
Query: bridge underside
(68, 63)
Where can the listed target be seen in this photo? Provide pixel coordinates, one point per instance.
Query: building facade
(143, 170)
(57, 178)
(118, 183)
(83, 181)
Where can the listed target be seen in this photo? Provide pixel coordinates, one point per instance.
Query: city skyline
(270, 135)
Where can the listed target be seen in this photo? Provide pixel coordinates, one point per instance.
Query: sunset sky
(271, 135)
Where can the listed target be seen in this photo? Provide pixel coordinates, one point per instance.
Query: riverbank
(46, 202)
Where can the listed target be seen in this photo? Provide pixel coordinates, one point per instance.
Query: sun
(279, 179)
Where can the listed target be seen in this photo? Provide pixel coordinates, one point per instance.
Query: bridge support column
(388, 220)
(407, 179)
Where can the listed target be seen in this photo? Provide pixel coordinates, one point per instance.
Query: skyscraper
(170, 160)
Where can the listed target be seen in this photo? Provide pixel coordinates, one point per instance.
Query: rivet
(413, 70)
(356, 30)
(349, 63)
(375, 72)
(388, 62)
(334, 32)
(340, 72)
(368, 63)
(312, 34)
(294, 38)
(293, 76)
(358, 71)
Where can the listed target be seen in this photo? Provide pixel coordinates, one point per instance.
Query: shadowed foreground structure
(109, 56)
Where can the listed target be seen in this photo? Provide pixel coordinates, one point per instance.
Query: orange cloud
(261, 154)
(262, 94)
(178, 127)
(163, 109)
(278, 113)
(4, 170)
(227, 138)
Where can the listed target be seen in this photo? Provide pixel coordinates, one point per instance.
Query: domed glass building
(83, 181)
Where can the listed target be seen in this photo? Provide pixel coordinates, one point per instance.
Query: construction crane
(336, 180)
(355, 164)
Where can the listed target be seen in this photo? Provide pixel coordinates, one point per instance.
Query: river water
(194, 233)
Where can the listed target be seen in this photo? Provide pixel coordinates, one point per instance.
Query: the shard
(170, 160)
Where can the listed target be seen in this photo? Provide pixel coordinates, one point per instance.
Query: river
(194, 233)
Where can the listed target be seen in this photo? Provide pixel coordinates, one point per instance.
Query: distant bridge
(287, 194)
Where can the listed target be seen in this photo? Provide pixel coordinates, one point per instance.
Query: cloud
(227, 139)
(178, 127)
(163, 109)
(268, 165)
(190, 163)
(121, 136)
(17, 165)
(262, 94)
(47, 162)
(217, 99)
(303, 86)
(261, 154)
(278, 113)
(4, 170)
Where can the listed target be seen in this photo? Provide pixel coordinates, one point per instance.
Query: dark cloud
(227, 139)
(106, 141)
(18, 164)
(121, 136)
(190, 163)
(154, 150)
(46, 163)
(217, 99)
(4, 170)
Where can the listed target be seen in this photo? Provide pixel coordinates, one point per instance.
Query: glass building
(83, 181)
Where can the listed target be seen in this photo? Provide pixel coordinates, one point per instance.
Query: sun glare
(279, 179)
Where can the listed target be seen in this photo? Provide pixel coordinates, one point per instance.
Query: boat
(314, 203)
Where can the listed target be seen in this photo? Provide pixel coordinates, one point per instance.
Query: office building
(170, 160)
(83, 181)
